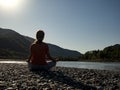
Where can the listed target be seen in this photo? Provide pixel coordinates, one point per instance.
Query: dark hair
(40, 35)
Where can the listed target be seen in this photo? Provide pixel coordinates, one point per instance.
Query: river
(78, 64)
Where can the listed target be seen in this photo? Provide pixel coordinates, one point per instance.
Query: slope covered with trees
(15, 45)
(111, 53)
(12, 44)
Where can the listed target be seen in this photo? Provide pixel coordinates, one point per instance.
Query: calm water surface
(85, 65)
(91, 65)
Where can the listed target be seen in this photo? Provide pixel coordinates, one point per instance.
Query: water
(91, 65)
(77, 64)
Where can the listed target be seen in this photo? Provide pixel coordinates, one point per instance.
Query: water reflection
(85, 65)
(91, 65)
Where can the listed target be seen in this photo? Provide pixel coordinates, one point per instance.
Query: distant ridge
(108, 54)
(15, 45)
(61, 52)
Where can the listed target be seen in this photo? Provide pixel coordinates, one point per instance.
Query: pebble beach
(19, 77)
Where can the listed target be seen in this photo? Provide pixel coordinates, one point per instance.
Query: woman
(39, 54)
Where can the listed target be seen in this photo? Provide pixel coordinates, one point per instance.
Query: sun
(9, 4)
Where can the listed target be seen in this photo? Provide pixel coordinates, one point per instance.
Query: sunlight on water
(91, 65)
(19, 62)
(85, 65)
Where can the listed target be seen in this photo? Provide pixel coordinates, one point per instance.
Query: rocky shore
(18, 77)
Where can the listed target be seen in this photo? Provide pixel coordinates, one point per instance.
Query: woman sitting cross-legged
(39, 53)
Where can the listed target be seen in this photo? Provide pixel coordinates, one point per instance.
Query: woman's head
(40, 35)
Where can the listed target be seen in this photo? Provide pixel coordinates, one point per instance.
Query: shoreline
(83, 60)
(18, 76)
(111, 66)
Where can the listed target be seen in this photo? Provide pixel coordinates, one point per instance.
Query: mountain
(112, 52)
(57, 51)
(61, 52)
(15, 45)
(108, 54)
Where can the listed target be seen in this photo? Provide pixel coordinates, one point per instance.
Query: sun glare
(9, 4)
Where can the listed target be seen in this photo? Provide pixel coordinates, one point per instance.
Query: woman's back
(39, 52)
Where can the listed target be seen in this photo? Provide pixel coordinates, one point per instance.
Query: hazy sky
(81, 25)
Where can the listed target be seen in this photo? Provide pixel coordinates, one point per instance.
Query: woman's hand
(27, 60)
(55, 59)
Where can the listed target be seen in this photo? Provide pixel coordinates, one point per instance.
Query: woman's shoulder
(34, 44)
(42, 44)
(45, 44)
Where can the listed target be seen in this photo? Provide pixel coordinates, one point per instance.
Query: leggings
(42, 67)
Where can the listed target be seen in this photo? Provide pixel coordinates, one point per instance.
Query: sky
(81, 25)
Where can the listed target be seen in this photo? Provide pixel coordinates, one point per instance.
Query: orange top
(38, 54)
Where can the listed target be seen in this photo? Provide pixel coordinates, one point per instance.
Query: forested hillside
(15, 45)
(111, 53)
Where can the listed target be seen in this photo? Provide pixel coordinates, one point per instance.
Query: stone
(11, 88)
(2, 85)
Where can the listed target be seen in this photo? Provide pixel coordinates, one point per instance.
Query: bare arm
(29, 58)
(49, 57)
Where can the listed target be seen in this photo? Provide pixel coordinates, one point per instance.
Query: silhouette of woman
(39, 54)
